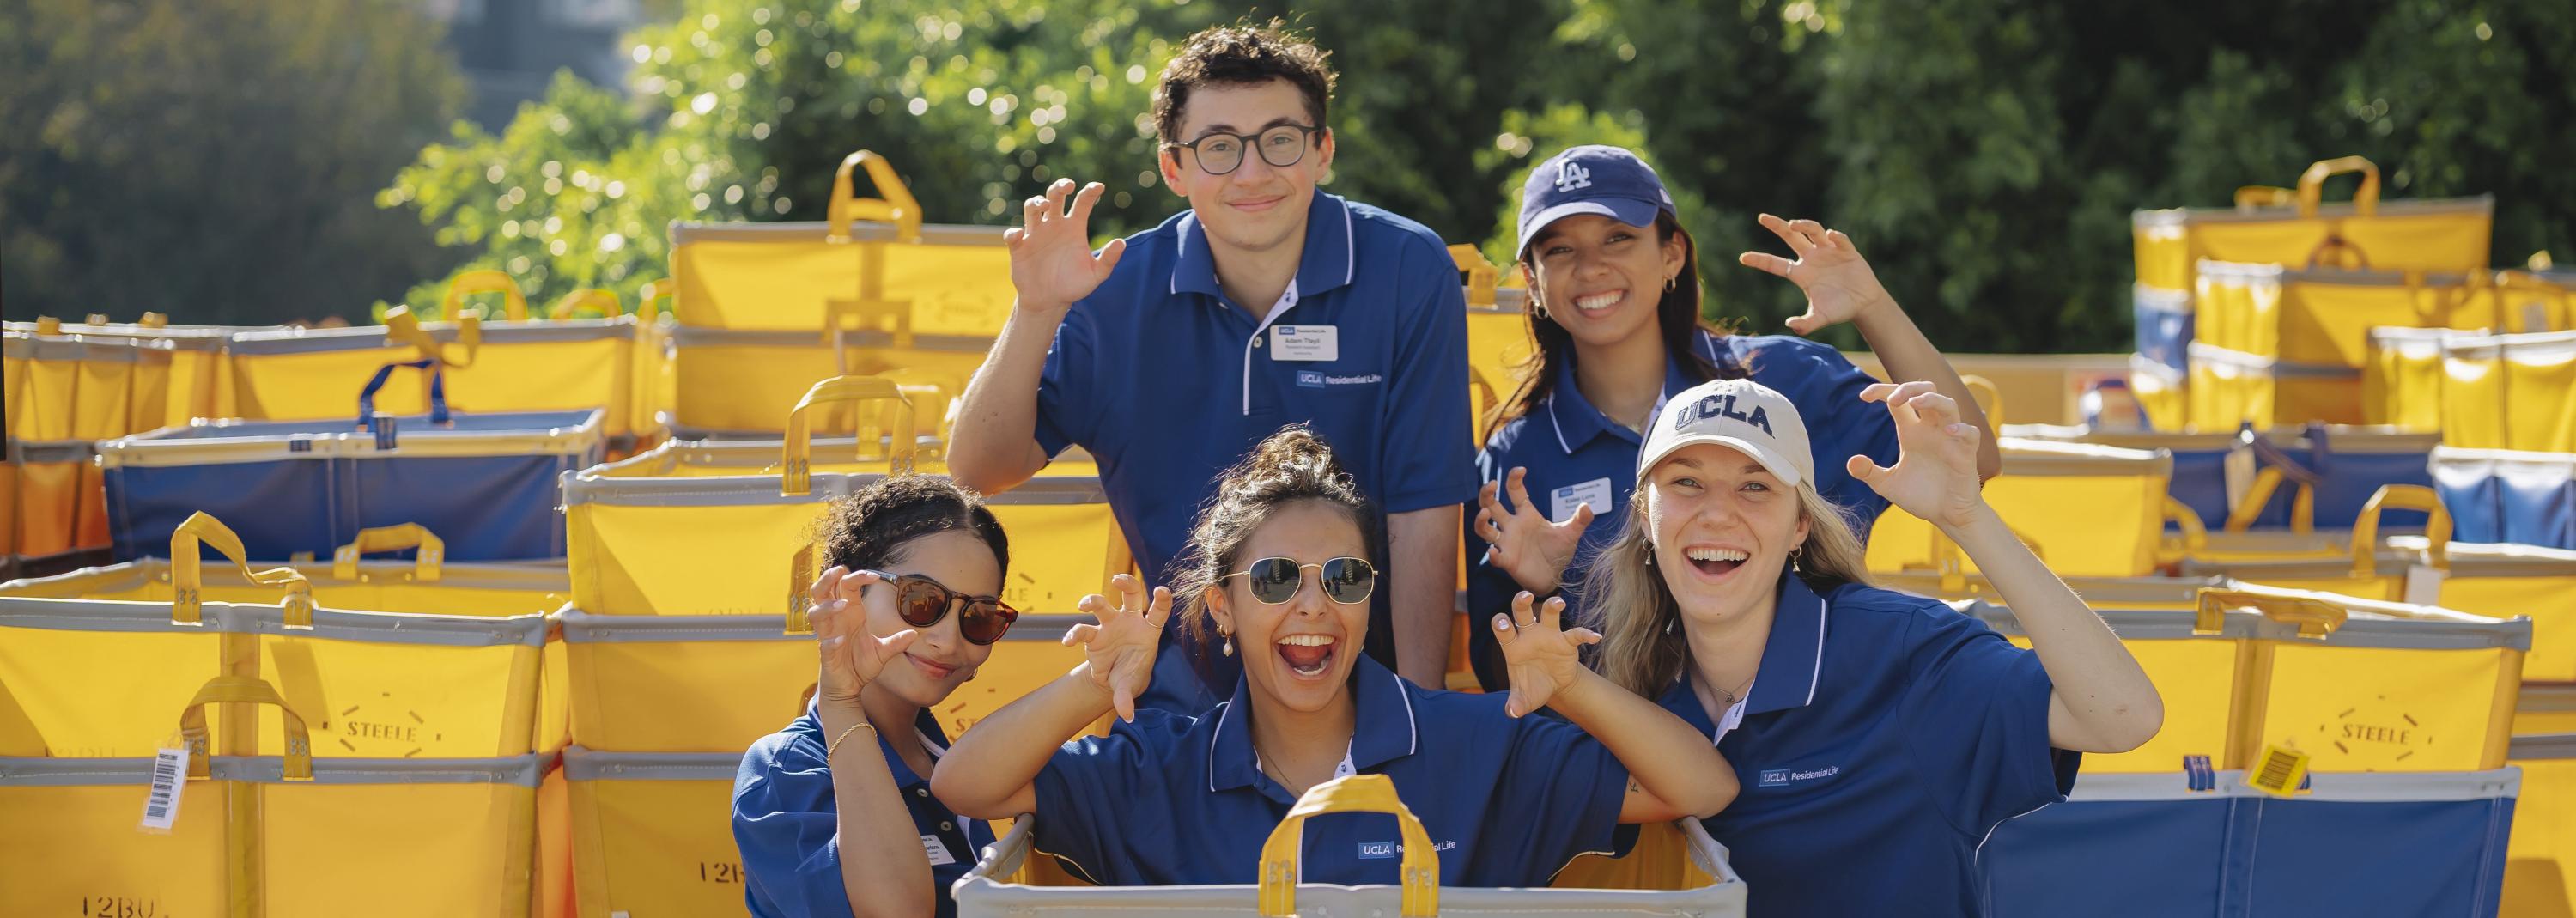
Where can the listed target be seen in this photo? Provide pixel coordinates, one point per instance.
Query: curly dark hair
(873, 527)
(1243, 54)
(1289, 466)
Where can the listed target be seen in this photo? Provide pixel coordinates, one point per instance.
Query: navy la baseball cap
(1591, 179)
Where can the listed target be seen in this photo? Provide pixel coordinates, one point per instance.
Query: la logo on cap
(1571, 175)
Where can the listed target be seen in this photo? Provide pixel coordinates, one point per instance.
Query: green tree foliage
(212, 159)
(1986, 154)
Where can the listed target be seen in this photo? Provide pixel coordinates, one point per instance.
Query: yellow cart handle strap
(1420, 866)
(244, 690)
(648, 299)
(153, 320)
(1482, 276)
(2365, 200)
(2365, 528)
(590, 297)
(401, 327)
(796, 459)
(425, 567)
(2252, 196)
(514, 304)
(187, 577)
(2315, 617)
(2195, 535)
(1989, 397)
(897, 206)
(2303, 506)
(48, 325)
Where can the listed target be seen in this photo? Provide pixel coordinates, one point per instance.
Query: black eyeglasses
(923, 602)
(1275, 581)
(1220, 153)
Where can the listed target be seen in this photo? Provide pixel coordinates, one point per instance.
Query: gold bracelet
(835, 747)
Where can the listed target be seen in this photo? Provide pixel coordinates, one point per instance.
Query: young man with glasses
(1170, 353)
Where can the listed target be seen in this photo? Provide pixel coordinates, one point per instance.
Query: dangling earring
(1229, 641)
(1795, 554)
(1672, 282)
(1537, 307)
(1650, 557)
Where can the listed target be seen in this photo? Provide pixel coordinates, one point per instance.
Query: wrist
(1541, 587)
(1981, 520)
(1877, 312)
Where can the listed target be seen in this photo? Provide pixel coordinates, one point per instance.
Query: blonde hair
(1625, 599)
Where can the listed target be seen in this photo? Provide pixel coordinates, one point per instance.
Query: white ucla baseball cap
(1739, 413)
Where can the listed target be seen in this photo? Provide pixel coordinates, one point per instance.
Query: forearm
(1423, 594)
(1907, 355)
(2103, 695)
(987, 772)
(1668, 758)
(994, 443)
(883, 868)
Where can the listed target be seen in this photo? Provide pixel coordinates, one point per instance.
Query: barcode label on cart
(169, 773)
(2282, 772)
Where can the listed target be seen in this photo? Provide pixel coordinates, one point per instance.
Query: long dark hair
(1677, 320)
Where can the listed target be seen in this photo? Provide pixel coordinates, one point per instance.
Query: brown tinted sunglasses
(922, 602)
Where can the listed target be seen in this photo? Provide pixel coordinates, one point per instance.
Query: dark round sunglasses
(922, 602)
(1276, 580)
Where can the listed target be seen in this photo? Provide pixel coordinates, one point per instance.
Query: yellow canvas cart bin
(2323, 317)
(61, 500)
(2227, 388)
(185, 372)
(43, 376)
(2415, 235)
(569, 365)
(277, 834)
(2402, 383)
(653, 833)
(645, 531)
(2161, 392)
(2357, 562)
(715, 683)
(2502, 581)
(2089, 511)
(2360, 685)
(2540, 856)
(2514, 392)
(999, 886)
(766, 308)
(2196, 674)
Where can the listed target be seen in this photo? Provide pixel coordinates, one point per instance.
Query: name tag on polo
(1562, 501)
(939, 856)
(1305, 342)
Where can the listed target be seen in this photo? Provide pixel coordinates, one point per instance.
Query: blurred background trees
(1985, 154)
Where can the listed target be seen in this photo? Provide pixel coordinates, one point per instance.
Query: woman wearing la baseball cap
(1879, 736)
(1615, 308)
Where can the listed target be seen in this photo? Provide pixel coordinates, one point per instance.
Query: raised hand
(1542, 656)
(852, 655)
(1052, 264)
(1526, 544)
(1935, 476)
(1120, 649)
(1839, 285)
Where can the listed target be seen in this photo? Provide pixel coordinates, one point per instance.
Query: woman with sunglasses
(1275, 570)
(834, 815)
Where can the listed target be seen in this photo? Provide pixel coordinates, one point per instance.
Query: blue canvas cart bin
(487, 483)
(2204, 844)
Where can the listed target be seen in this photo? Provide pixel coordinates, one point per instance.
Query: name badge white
(938, 852)
(1562, 501)
(1305, 342)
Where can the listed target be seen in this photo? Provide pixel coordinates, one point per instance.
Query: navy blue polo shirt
(1176, 799)
(1884, 737)
(788, 829)
(1575, 454)
(1167, 383)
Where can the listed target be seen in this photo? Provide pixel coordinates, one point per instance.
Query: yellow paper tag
(2279, 772)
